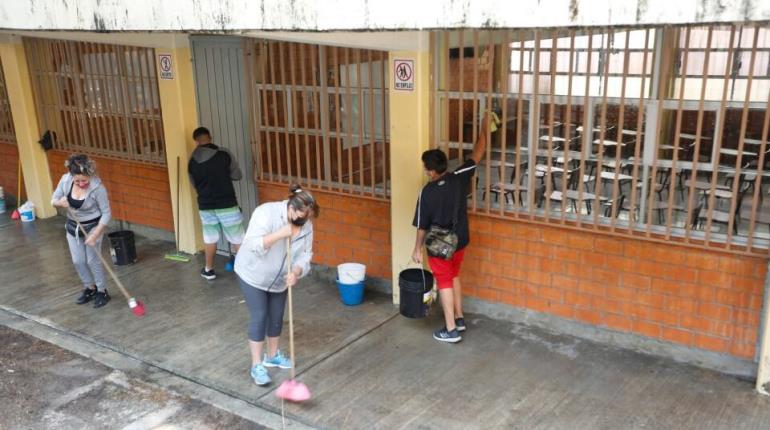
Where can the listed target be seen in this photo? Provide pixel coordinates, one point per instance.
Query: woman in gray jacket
(83, 193)
(264, 277)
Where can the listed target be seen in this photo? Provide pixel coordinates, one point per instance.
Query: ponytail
(302, 200)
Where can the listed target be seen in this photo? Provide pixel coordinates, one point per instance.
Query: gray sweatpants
(86, 262)
(266, 310)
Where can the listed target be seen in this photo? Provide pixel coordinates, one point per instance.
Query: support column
(34, 163)
(409, 137)
(180, 118)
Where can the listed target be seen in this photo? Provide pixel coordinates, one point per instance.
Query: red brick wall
(9, 168)
(350, 229)
(687, 296)
(139, 193)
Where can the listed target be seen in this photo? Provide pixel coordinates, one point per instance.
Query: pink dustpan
(293, 391)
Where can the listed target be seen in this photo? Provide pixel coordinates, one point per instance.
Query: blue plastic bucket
(351, 294)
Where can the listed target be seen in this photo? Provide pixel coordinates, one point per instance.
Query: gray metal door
(223, 108)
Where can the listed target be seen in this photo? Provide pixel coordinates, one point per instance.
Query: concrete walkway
(46, 387)
(367, 366)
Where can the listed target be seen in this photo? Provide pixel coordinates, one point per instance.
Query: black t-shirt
(443, 196)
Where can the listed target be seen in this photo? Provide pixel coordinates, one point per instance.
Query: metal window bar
(568, 129)
(342, 145)
(7, 131)
(638, 141)
(99, 99)
(488, 137)
(475, 109)
(316, 97)
(693, 167)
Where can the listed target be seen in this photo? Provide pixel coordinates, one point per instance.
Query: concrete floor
(47, 387)
(367, 366)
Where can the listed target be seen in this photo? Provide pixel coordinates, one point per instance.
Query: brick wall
(687, 296)
(350, 229)
(9, 168)
(139, 193)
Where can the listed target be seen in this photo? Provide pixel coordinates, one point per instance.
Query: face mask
(299, 222)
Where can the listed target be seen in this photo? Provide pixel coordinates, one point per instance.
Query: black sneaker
(444, 335)
(86, 296)
(460, 323)
(102, 297)
(208, 275)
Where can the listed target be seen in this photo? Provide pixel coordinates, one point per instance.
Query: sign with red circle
(403, 74)
(165, 66)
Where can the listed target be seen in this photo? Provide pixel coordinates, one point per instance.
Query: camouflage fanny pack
(441, 242)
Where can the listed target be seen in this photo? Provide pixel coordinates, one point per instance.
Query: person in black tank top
(73, 202)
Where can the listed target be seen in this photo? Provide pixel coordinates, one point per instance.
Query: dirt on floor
(43, 386)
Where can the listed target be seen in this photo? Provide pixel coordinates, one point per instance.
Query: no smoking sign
(403, 72)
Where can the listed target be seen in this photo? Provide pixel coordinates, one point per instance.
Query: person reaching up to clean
(442, 210)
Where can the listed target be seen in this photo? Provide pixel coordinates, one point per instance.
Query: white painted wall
(320, 15)
(382, 40)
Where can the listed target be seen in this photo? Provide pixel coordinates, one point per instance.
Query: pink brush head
(15, 215)
(136, 306)
(293, 391)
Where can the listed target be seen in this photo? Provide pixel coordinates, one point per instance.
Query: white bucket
(351, 273)
(27, 212)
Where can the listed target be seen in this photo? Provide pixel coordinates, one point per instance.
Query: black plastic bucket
(413, 286)
(122, 247)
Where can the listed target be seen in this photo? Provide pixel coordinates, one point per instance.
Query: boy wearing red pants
(443, 202)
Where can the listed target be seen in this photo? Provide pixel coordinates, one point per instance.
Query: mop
(291, 389)
(15, 214)
(136, 306)
(177, 255)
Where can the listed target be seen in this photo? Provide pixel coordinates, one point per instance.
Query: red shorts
(446, 270)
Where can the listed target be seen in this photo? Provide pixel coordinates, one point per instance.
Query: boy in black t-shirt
(443, 202)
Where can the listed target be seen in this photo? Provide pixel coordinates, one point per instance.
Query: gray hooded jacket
(96, 203)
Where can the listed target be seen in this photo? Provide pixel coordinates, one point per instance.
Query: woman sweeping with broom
(264, 276)
(83, 193)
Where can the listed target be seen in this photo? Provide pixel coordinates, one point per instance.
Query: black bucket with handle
(413, 284)
(122, 247)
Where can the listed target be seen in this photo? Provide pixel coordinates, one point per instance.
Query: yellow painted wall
(409, 137)
(180, 118)
(37, 177)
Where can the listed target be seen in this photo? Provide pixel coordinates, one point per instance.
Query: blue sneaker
(460, 323)
(260, 376)
(444, 335)
(230, 264)
(278, 361)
